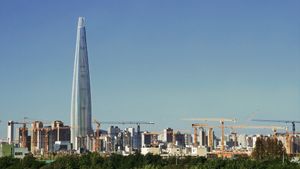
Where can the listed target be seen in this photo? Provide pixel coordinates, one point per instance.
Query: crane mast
(221, 120)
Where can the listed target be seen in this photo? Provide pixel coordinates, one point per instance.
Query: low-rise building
(152, 150)
(20, 152)
(199, 151)
(10, 150)
(62, 146)
(6, 149)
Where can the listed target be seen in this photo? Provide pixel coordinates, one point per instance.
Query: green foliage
(6, 162)
(149, 161)
(29, 162)
(268, 149)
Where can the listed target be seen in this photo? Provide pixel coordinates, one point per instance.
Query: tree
(269, 148)
(259, 150)
(30, 162)
(8, 161)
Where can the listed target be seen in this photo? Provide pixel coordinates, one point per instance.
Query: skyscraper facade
(81, 118)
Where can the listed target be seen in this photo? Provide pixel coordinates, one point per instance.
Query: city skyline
(156, 61)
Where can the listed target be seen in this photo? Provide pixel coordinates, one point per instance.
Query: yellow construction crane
(195, 126)
(210, 133)
(221, 120)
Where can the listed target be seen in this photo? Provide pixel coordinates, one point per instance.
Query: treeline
(269, 153)
(15, 163)
(138, 161)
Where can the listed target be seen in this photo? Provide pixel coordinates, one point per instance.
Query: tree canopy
(138, 161)
(268, 148)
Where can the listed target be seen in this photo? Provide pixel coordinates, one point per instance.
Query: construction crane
(274, 128)
(23, 130)
(293, 122)
(138, 123)
(210, 133)
(280, 121)
(195, 126)
(221, 120)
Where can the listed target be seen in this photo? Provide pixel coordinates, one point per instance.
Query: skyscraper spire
(81, 118)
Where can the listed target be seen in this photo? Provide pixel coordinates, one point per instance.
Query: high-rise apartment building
(10, 132)
(179, 139)
(168, 135)
(81, 108)
(202, 137)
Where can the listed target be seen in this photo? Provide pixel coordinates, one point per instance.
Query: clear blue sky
(152, 60)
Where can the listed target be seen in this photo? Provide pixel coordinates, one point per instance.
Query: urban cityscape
(40, 139)
(207, 135)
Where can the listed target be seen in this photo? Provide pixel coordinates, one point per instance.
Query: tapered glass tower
(81, 124)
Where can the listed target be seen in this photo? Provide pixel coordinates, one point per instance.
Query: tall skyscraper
(81, 118)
